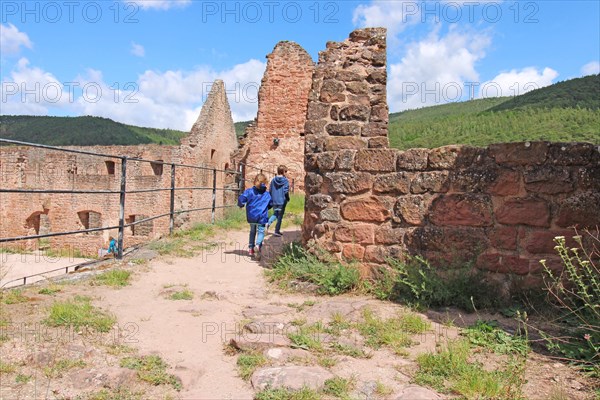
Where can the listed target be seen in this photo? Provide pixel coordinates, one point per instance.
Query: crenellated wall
(499, 207)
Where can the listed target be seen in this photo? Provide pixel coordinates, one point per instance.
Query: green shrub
(296, 263)
(575, 294)
(416, 282)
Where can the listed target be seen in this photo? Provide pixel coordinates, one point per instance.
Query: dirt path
(229, 291)
(190, 334)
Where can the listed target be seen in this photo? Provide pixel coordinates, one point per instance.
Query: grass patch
(57, 369)
(114, 277)
(14, 296)
(79, 313)
(119, 349)
(287, 394)
(338, 387)
(6, 368)
(120, 393)
(298, 264)
(301, 307)
(50, 290)
(394, 332)
(22, 379)
(306, 337)
(450, 371)
(171, 246)
(351, 351)
(233, 218)
(185, 294)
(248, 362)
(382, 390)
(416, 282)
(487, 334)
(151, 369)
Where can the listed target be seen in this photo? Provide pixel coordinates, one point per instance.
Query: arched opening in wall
(90, 220)
(212, 153)
(38, 222)
(157, 167)
(110, 167)
(141, 229)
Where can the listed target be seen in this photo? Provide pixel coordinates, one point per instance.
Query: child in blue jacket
(280, 193)
(257, 201)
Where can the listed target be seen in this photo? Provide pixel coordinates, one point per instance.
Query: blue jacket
(258, 202)
(279, 190)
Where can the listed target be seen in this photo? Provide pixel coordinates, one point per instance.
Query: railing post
(240, 183)
(172, 201)
(122, 208)
(214, 195)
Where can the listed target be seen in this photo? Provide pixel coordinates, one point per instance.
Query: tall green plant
(575, 291)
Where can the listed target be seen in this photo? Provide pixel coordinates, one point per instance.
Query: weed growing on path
(151, 369)
(78, 312)
(114, 278)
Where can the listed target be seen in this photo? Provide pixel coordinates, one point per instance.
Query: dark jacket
(279, 190)
(258, 202)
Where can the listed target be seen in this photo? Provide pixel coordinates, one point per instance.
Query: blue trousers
(278, 212)
(254, 240)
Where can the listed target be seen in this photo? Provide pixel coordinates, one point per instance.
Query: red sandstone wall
(33, 168)
(499, 207)
(282, 102)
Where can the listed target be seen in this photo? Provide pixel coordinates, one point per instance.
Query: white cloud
(173, 99)
(516, 82)
(170, 99)
(31, 90)
(591, 68)
(393, 15)
(434, 70)
(160, 4)
(137, 50)
(11, 40)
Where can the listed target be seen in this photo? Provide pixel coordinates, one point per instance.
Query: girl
(258, 202)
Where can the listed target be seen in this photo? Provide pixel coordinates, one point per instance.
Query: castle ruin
(209, 144)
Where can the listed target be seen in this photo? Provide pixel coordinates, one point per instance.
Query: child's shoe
(251, 252)
(278, 234)
(258, 255)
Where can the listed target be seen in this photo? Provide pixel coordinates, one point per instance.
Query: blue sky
(151, 62)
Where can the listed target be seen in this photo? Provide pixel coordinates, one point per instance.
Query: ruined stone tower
(282, 102)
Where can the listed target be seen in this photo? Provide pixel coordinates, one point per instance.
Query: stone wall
(210, 143)
(282, 102)
(498, 207)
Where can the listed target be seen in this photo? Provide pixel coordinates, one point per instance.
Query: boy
(258, 202)
(280, 193)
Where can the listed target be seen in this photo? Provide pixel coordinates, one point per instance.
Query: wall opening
(157, 167)
(38, 222)
(142, 229)
(212, 153)
(90, 220)
(110, 167)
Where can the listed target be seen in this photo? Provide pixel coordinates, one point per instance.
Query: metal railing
(238, 173)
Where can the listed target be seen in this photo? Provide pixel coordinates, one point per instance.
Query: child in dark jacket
(257, 201)
(280, 193)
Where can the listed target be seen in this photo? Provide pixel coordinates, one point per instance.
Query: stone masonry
(209, 144)
(499, 207)
(282, 102)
